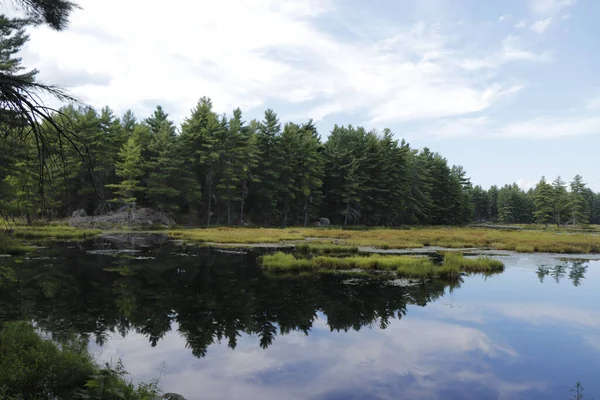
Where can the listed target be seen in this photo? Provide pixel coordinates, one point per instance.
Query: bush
(34, 368)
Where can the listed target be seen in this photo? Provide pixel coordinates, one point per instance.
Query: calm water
(219, 329)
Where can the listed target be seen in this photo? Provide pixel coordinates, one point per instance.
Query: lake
(216, 327)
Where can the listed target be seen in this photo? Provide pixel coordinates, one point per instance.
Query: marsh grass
(325, 248)
(453, 266)
(58, 232)
(514, 240)
(472, 265)
(237, 235)
(9, 245)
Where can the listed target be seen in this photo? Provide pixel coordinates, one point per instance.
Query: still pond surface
(218, 328)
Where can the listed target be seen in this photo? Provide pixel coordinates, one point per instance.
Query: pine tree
(418, 202)
(481, 204)
(198, 139)
(129, 169)
(164, 180)
(248, 162)
(543, 201)
(310, 171)
(229, 161)
(561, 200)
(579, 206)
(269, 164)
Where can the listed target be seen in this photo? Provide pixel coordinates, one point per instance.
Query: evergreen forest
(218, 169)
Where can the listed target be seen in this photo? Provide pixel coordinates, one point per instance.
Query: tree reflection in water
(211, 295)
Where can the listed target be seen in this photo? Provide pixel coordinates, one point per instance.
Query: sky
(508, 89)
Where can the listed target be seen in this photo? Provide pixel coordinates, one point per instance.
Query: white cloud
(593, 104)
(512, 50)
(550, 7)
(521, 24)
(526, 184)
(255, 53)
(504, 17)
(540, 26)
(296, 366)
(544, 127)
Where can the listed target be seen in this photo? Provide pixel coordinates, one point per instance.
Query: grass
(473, 265)
(325, 248)
(237, 235)
(8, 245)
(403, 266)
(59, 232)
(454, 238)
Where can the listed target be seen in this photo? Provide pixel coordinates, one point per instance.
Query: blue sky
(508, 89)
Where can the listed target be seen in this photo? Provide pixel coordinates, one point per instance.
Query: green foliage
(561, 201)
(579, 203)
(402, 266)
(109, 383)
(222, 170)
(9, 245)
(543, 201)
(34, 367)
(473, 265)
(325, 248)
(129, 169)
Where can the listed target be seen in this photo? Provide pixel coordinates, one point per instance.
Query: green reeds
(472, 265)
(325, 248)
(54, 232)
(402, 266)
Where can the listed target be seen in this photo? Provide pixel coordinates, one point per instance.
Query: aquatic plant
(403, 266)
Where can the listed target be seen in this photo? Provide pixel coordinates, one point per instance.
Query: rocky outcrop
(324, 222)
(173, 396)
(80, 213)
(143, 218)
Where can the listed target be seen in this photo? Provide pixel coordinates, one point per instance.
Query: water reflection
(327, 337)
(211, 296)
(575, 268)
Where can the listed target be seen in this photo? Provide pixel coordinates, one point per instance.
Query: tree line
(221, 169)
(553, 202)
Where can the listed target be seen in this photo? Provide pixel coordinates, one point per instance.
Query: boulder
(324, 222)
(143, 218)
(79, 213)
(173, 396)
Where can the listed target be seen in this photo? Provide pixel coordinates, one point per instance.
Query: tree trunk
(306, 212)
(243, 198)
(229, 202)
(347, 213)
(209, 183)
(284, 217)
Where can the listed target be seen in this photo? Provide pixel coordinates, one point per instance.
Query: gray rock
(324, 222)
(79, 213)
(173, 396)
(143, 218)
